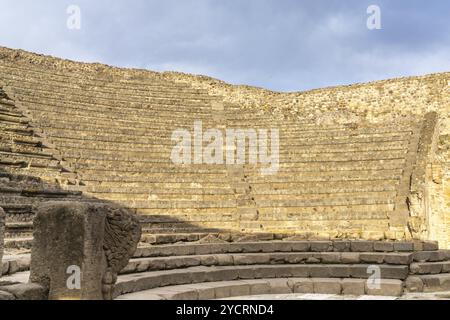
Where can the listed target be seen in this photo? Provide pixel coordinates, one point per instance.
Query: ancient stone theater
(132, 184)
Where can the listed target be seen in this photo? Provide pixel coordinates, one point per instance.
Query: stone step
(67, 143)
(7, 104)
(308, 258)
(18, 243)
(37, 199)
(180, 99)
(97, 84)
(25, 149)
(428, 283)
(178, 109)
(431, 253)
(14, 209)
(128, 125)
(189, 193)
(48, 174)
(68, 89)
(39, 192)
(294, 131)
(163, 113)
(15, 264)
(241, 288)
(150, 280)
(270, 215)
(155, 197)
(279, 178)
(304, 158)
(362, 227)
(99, 189)
(26, 140)
(354, 248)
(101, 87)
(148, 178)
(10, 113)
(16, 129)
(13, 119)
(291, 167)
(159, 151)
(28, 160)
(284, 148)
(161, 184)
(87, 79)
(158, 136)
(430, 267)
(212, 175)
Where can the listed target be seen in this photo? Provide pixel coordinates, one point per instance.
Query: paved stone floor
(23, 277)
(409, 296)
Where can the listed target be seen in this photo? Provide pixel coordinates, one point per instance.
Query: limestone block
(342, 246)
(414, 284)
(2, 233)
(430, 246)
(403, 246)
(6, 296)
(372, 258)
(393, 288)
(280, 286)
(327, 286)
(398, 258)
(350, 257)
(258, 287)
(383, 246)
(94, 240)
(362, 246)
(29, 291)
(426, 268)
(354, 287)
(301, 285)
(321, 246)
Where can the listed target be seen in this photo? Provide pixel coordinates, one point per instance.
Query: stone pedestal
(2, 238)
(79, 248)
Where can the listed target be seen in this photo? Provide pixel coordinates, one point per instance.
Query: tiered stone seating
(114, 133)
(30, 172)
(221, 270)
(95, 133)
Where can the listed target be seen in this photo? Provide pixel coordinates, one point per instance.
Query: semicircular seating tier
(88, 132)
(217, 229)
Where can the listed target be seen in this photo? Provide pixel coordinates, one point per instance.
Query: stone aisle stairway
(30, 172)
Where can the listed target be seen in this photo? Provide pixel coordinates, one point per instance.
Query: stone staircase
(30, 173)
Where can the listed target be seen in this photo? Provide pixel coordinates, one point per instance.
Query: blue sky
(284, 45)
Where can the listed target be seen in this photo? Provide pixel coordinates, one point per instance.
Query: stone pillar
(2, 237)
(79, 248)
